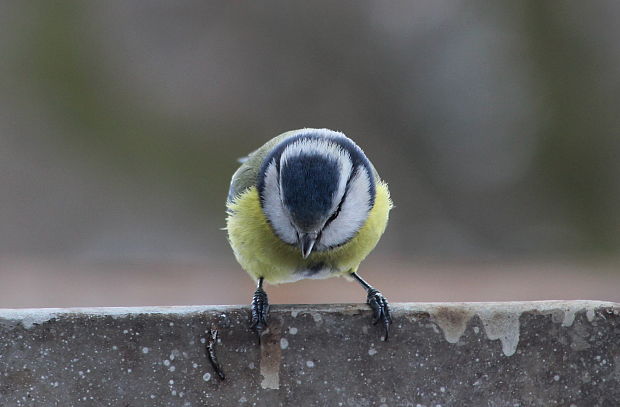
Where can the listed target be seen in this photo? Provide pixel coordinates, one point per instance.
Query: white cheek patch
(353, 212)
(345, 167)
(273, 208)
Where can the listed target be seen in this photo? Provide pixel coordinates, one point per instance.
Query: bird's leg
(260, 309)
(378, 303)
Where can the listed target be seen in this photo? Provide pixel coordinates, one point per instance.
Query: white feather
(353, 212)
(274, 209)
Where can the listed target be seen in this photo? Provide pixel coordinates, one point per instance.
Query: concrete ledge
(550, 353)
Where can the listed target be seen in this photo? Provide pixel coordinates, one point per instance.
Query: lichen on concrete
(501, 319)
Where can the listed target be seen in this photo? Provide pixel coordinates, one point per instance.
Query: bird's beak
(306, 242)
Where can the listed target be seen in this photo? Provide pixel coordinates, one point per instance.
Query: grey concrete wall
(474, 354)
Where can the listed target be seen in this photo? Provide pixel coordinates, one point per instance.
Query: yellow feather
(262, 254)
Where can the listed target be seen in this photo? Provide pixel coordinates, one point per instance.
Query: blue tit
(307, 204)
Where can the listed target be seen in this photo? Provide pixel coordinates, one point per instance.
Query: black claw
(260, 311)
(381, 308)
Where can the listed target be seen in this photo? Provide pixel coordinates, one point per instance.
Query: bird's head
(316, 189)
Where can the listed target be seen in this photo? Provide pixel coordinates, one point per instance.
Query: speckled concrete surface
(446, 354)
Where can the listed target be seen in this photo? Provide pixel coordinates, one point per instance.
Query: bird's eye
(335, 214)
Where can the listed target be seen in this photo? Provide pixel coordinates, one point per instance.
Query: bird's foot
(260, 311)
(381, 308)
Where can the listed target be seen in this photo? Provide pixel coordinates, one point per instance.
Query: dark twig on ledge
(212, 336)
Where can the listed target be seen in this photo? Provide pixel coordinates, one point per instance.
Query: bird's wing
(247, 174)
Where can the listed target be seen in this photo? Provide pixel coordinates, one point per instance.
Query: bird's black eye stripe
(337, 211)
(335, 214)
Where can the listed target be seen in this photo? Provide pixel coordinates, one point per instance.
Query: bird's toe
(381, 308)
(260, 311)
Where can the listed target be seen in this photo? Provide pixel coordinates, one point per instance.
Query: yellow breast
(262, 254)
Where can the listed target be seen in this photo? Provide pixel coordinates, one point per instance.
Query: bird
(307, 204)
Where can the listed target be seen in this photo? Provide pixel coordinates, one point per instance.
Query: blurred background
(496, 125)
